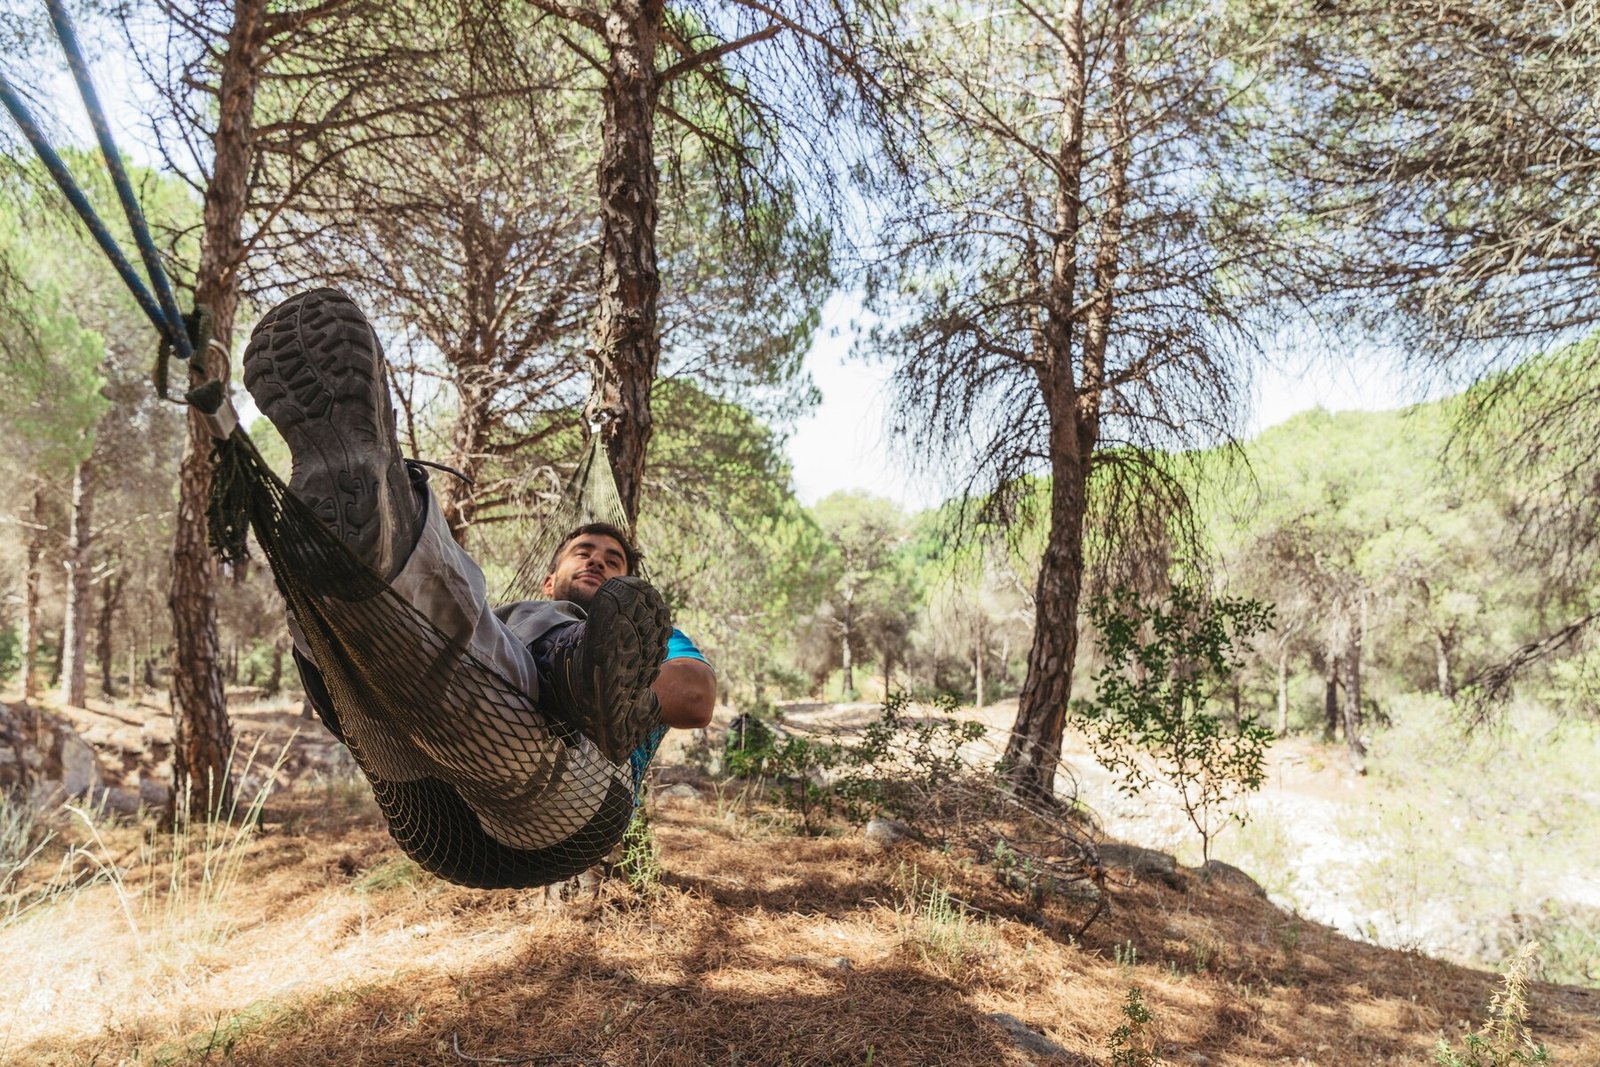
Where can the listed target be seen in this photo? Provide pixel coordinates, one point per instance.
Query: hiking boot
(317, 372)
(596, 674)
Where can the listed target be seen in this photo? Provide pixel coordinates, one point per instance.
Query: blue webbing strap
(119, 177)
(80, 203)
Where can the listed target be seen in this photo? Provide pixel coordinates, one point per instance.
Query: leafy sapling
(1151, 717)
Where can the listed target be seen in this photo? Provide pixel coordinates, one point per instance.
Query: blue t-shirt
(678, 647)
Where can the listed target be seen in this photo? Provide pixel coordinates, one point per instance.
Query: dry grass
(761, 948)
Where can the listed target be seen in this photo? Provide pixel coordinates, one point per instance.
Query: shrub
(1165, 663)
(1503, 1041)
(1132, 1044)
(10, 651)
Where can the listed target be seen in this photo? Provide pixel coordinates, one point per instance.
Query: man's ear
(549, 586)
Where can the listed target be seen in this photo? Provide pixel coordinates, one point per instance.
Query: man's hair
(604, 529)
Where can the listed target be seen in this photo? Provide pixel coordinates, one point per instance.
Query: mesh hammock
(477, 785)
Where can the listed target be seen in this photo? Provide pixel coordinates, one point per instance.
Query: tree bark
(473, 378)
(1441, 659)
(1034, 747)
(1283, 693)
(75, 627)
(203, 736)
(57, 658)
(1330, 700)
(627, 348)
(110, 599)
(30, 603)
(848, 682)
(977, 666)
(1352, 690)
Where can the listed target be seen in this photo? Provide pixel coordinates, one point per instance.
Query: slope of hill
(311, 941)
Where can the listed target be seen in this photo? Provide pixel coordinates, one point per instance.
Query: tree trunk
(275, 679)
(626, 346)
(848, 682)
(1330, 700)
(203, 736)
(471, 371)
(1352, 691)
(1283, 693)
(1034, 747)
(1441, 659)
(30, 603)
(110, 598)
(75, 628)
(56, 659)
(977, 669)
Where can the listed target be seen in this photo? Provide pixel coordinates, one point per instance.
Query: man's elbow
(687, 691)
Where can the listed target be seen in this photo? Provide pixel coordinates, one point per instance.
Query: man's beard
(576, 594)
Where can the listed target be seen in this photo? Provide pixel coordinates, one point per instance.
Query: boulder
(887, 832)
(80, 767)
(1143, 862)
(1031, 1041)
(1228, 874)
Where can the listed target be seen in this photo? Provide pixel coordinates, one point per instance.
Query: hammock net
(478, 785)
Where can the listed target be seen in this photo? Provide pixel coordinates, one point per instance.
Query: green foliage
(730, 546)
(1164, 665)
(892, 767)
(947, 933)
(640, 864)
(1528, 782)
(1504, 1040)
(1132, 1044)
(398, 873)
(902, 758)
(10, 651)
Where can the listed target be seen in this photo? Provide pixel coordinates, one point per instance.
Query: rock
(887, 832)
(1143, 862)
(121, 800)
(832, 963)
(80, 769)
(679, 791)
(154, 793)
(1228, 874)
(1031, 1041)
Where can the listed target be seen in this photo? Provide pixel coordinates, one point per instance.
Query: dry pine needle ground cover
(757, 947)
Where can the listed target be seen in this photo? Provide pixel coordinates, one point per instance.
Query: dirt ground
(311, 941)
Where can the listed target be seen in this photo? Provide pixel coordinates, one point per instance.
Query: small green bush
(1165, 665)
(10, 651)
(1132, 1044)
(640, 865)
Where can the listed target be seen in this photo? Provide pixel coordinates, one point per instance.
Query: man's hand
(687, 690)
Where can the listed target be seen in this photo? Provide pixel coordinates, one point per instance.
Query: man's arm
(687, 690)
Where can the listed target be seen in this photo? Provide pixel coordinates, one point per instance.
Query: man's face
(584, 566)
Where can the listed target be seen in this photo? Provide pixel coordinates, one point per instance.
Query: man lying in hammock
(504, 746)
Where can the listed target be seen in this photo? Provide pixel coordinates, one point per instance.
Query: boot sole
(316, 371)
(628, 626)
